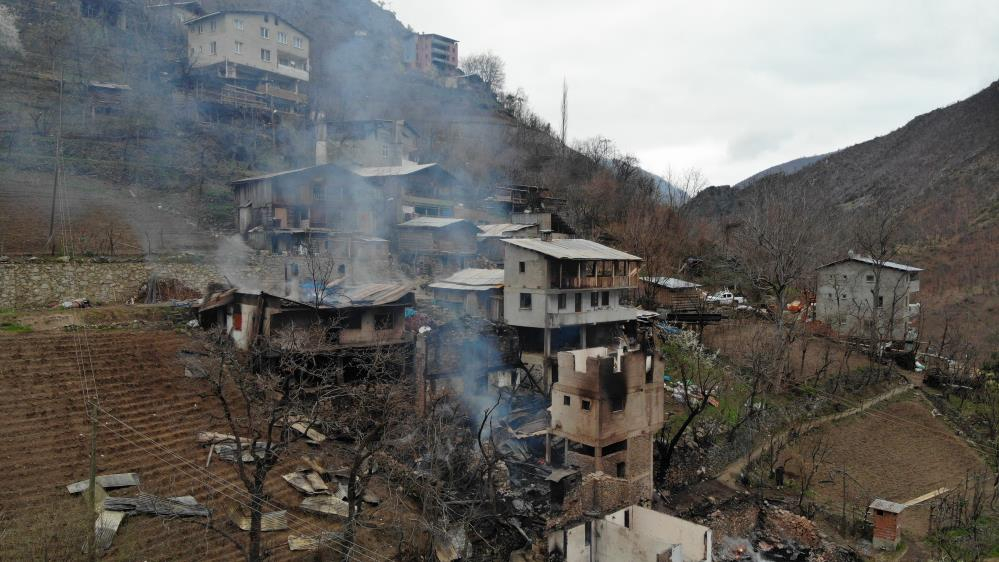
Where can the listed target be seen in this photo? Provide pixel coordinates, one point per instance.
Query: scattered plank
(296, 542)
(325, 504)
(184, 506)
(273, 521)
(212, 437)
(106, 481)
(106, 527)
(307, 482)
(926, 496)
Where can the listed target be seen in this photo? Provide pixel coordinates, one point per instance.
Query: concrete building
(567, 294)
(435, 246)
(858, 296)
(472, 292)
(607, 405)
(429, 51)
(369, 143)
(249, 58)
(636, 534)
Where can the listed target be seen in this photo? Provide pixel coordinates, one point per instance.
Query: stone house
(607, 405)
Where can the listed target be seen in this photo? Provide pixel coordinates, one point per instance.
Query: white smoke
(10, 37)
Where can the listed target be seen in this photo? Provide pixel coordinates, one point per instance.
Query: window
(614, 448)
(627, 519)
(213, 48)
(265, 55)
(201, 28)
(566, 401)
(525, 301)
(318, 193)
(587, 533)
(881, 302)
(238, 48)
(605, 298)
(617, 404)
(561, 301)
(590, 269)
(579, 302)
(621, 472)
(212, 25)
(282, 38)
(586, 405)
(352, 321)
(870, 277)
(606, 268)
(264, 32)
(384, 321)
(297, 41)
(238, 24)
(523, 267)
(594, 299)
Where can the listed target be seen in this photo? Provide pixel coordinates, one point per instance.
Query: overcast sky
(728, 87)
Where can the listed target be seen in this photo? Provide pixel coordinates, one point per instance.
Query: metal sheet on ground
(106, 481)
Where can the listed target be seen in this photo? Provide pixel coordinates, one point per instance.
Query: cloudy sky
(730, 87)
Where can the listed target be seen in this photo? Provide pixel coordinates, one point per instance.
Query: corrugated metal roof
(432, 222)
(501, 230)
(472, 280)
(286, 173)
(372, 294)
(382, 171)
(885, 505)
(572, 249)
(871, 261)
(670, 282)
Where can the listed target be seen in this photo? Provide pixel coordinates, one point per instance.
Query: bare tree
(260, 393)
(811, 462)
(698, 378)
(774, 246)
(487, 66)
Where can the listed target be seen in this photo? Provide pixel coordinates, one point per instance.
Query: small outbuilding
(472, 292)
(671, 293)
(887, 531)
(436, 246)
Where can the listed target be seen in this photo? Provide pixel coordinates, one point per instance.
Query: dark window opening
(881, 302)
(352, 321)
(582, 449)
(525, 300)
(617, 404)
(566, 400)
(561, 301)
(586, 404)
(588, 533)
(342, 269)
(621, 472)
(384, 321)
(627, 519)
(523, 267)
(614, 448)
(579, 302)
(605, 298)
(594, 300)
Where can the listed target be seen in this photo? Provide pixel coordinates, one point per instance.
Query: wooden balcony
(598, 282)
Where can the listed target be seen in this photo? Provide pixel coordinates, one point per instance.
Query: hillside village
(292, 281)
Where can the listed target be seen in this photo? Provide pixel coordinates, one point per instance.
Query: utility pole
(565, 111)
(58, 166)
(843, 470)
(92, 487)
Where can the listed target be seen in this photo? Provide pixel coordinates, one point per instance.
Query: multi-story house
(862, 297)
(567, 294)
(249, 57)
(429, 51)
(607, 406)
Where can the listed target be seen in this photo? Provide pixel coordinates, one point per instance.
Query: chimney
(850, 254)
(322, 156)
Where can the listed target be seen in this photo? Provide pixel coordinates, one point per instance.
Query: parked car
(726, 298)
